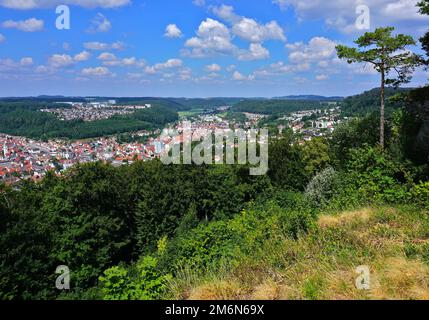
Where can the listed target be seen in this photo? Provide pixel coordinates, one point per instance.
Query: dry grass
(322, 264)
(401, 278)
(219, 290)
(360, 216)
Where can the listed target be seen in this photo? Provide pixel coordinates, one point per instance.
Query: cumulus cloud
(256, 52)
(172, 31)
(99, 23)
(342, 15)
(237, 76)
(317, 49)
(249, 29)
(97, 72)
(322, 77)
(83, 56)
(29, 25)
(27, 61)
(106, 56)
(10, 66)
(101, 46)
(60, 60)
(213, 67)
(35, 4)
(199, 3)
(109, 59)
(213, 38)
(169, 64)
(2, 38)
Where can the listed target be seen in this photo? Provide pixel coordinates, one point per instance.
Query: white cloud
(98, 46)
(2, 38)
(322, 77)
(60, 60)
(106, 56)
(249, 29)
(13, 67)
(97, 71)
(169, 64)
(199, 3)
(172, 31)
(34, 4)
(29, 25)
(231, 68)
(317, 49)
(342, 15)
(99, 23)
(27, 61)
(256, 52)
(83, 56)
(109, 59)
(237, 76)
(213, 67)
(213, 38)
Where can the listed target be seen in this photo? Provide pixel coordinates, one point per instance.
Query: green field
(190, 113)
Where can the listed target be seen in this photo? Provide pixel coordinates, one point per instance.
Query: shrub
(322, 187)
(377, 176)
(142, 282)
(420, 194)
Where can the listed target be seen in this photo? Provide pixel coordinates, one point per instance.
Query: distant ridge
(309, 97)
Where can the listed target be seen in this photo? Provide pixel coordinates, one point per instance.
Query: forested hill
(369, 101)
(310, 97)
(23, 118)
(275, 106)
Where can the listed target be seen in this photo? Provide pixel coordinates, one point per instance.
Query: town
(24, 158)
(93, 111)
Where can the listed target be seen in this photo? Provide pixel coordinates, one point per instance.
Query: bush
(142, 282)
(223, 243)
(322, 187)
(420, 194)
(377, 177)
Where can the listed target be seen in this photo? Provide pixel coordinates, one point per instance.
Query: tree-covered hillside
(275, 106)
(150, 231)
(23, 118)
(369, 102)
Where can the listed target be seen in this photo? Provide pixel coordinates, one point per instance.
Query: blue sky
(192, 48)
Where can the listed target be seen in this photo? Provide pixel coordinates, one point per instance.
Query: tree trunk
(382, 109)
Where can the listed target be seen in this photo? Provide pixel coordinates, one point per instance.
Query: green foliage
(142, 282)
(377, 176)
(415, 126)
(165, 194)
(275, 106)
(315, 156)
(385, 52)
(424, 9)
(286, 164)
(420, 194)
(23, 119)
(369, 102)
(353, 134)
(322, 187)
(223, 243)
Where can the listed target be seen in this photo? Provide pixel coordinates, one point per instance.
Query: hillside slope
(321, 264)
